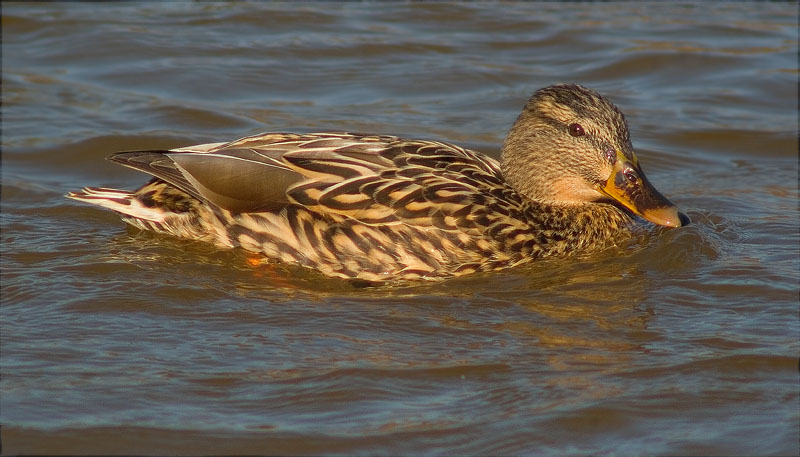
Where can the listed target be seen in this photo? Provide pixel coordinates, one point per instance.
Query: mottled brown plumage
(382, 208)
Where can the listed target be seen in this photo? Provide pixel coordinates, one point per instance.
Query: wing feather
(372, 178)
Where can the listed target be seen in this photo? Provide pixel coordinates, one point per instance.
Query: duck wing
(246, 175)
(373, 178)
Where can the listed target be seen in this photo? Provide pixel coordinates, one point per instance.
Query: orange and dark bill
(629, 186)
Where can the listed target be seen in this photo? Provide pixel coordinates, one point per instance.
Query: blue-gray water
(679, 342)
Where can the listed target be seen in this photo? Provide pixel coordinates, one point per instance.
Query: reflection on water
(674, 342)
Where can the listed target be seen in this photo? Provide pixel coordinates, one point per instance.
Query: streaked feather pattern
(379, 207)
(371, 207)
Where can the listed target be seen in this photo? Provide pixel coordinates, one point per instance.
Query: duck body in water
(379, 208)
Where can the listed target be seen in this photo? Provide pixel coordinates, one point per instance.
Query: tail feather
(120, 201)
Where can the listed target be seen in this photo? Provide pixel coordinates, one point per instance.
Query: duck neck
(527, 179)
(567, 229)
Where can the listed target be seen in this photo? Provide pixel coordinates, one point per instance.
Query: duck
(379, 208)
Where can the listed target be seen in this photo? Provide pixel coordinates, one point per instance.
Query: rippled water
(679, 342)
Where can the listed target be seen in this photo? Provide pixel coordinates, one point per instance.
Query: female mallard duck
(379, 207)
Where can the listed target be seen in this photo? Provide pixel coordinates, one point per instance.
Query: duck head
(571, 146)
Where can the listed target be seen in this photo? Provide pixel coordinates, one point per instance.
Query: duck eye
(575, 129)
(611, 156)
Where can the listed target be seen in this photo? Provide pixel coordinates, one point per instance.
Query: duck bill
(629, 186)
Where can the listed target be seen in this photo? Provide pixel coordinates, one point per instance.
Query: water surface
(677, 342)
